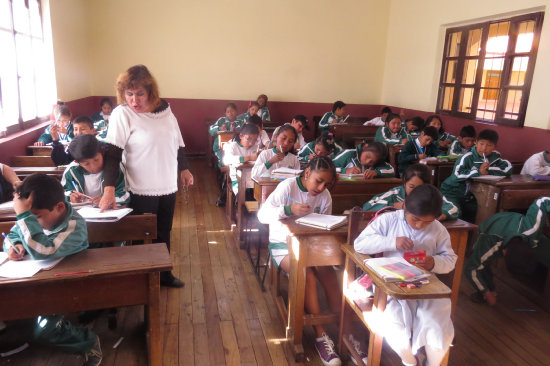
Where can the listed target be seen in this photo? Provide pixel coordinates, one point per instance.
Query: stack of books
(320, 221)
(285, 173)
(394, 269)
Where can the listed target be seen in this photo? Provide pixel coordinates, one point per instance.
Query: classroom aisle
(221, 316)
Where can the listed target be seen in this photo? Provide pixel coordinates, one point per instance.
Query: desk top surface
(515, 180)
(266, 181)
(295, 229)
(103, 262)
(39, 169)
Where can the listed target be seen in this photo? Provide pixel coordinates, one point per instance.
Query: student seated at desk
(60, 153)
(483, 159)
(336, 116)
(414, 126)
(299, 122)
(279, 156)
(83, 178)
(366, 159)
(62, 126)
(263, 139)
(444, 139)
(409, 325)
(465, 141)
(101, 118)
(48, 227)
(253, 108)
(8, 182)
(324, 145)
(420, 148)
(380, 120)
(495, 234)
(414, 176)
(225, 123)
(538, 164)
(296, 197)
(392, 133)
(263, 112)
(243, 148)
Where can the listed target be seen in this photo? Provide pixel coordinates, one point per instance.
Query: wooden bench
(113, 277)
(40, 150)
(32, 161)
(24, 171)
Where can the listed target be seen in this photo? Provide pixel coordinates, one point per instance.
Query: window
(487, 69)
(27, 89)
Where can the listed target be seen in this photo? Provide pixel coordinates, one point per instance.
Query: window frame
(508, 58)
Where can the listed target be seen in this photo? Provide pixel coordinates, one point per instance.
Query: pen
(345, 118)
(292, 199)
(484, 158)
(13, 246)
(281, 147)
(88, 197)
(72, 273)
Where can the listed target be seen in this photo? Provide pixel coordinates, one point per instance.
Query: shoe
(2, 327)
(325, 349)
(357, 347)
(94, 356)
(169, 280)
(477, 297)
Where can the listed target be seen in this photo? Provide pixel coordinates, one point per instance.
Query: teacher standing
(145, 130)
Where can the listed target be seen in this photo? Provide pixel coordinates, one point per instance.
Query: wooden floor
(221, 316)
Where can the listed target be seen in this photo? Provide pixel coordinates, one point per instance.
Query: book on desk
(26, 267)
(393, 269)
(320, 221)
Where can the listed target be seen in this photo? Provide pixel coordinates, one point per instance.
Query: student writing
(225, 123)
(253, 109)
(279, 156)
(420, 148)
(324, 145)
(299, 122)
(444, 139)
(538, 164)
(379, 120)
(366, 159)
(62, 126)
(336, 116)
(392, 133)
(465, 142)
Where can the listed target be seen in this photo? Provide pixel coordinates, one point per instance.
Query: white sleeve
(535, 166)
(326, 208)
(264, 138)
(119, 128)
(274, 207)
(376, 237)
(295, 162)
(177, 131)
(231, 154)
(259, 166)
(444, 257)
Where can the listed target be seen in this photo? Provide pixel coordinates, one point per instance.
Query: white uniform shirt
(260, 168)
(233, 154)
(376, 121)
(536, 165)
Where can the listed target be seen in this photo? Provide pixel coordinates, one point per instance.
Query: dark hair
(287, 127)
(232, 105)
(327, 141)
(262, 96)
(435, 116)
(337, 105)
(468, 131)
(392, 116)
(247, 129)
(254, 103)
(378, 148)
(256, 120)
(489, 135)
(430, 131)
(417, 170)
(424, 200)
(385, 110)
(61, 110)
(322, 163)
(416, 121)
(84, 119)
(301, 118)
(47, 191)
(84, 147)
(105, 100)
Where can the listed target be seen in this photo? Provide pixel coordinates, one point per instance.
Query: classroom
(484, 64)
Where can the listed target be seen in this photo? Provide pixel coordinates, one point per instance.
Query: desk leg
(375, 339)
(229, 201)
(459, 240)
(241, 177)
(153, 315)
(487, 197)
(296, 294)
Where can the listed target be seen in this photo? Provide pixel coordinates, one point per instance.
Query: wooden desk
(349, 132)
(24, 171)
(393, 153)
(243, 174)
(40, 150)
(514, 192)
(224, 137)
(440, 170)
(345, 194)
(120, 276)
(32, 161)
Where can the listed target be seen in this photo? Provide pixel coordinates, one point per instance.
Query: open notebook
(395, 269)
(26, 267)
(489, 177)
(320, 221)
(285, 172)
(93, 214)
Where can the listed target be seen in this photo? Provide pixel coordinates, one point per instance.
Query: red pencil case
(415, 256)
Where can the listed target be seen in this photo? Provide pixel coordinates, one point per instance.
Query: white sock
(434, 355)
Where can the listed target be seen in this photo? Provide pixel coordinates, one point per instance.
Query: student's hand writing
(108, 200)
(38, 143)
(95, 201)
(311, 156)
(54, 131)
(300, 209)
(370, 174)
(404, 141)
(422, 156)
(12, 254)
(20, 204)
(484, 168)
(277, 158)
(353, 170)
(186, 178)
(398, 205)
(403, 243)
(77, 197)
(428, 263)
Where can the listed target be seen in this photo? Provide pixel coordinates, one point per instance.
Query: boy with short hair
(418, 149)
(465, 141)
(48, 227)
(379, 120)
(414, 126)
(60, 154)
(83, 179)
(481, 160)
(538, 164)
(299, 122)
(336, 116)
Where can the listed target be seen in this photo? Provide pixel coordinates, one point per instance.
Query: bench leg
(375, 339)
(153, 316)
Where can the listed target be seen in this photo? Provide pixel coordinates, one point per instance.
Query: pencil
(13, 246)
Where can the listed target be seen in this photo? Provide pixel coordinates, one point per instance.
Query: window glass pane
(525, 36)
(36, 23)
(497, 43)
(454, 44)
(474, 42)
(492, 72)
(519, 68)
(5, 14)
(24, 54)
(28, 98)
(487, 104)
(513, 102)
(21, 16)
(8, 74)
(447, 102)
(450, 72)
(466, 97)
(470, 71)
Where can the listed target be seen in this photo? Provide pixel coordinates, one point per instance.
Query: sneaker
(94, 356)
(325, 349)
(357, 347)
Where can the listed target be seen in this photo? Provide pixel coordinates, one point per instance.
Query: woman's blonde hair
(135, 77)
